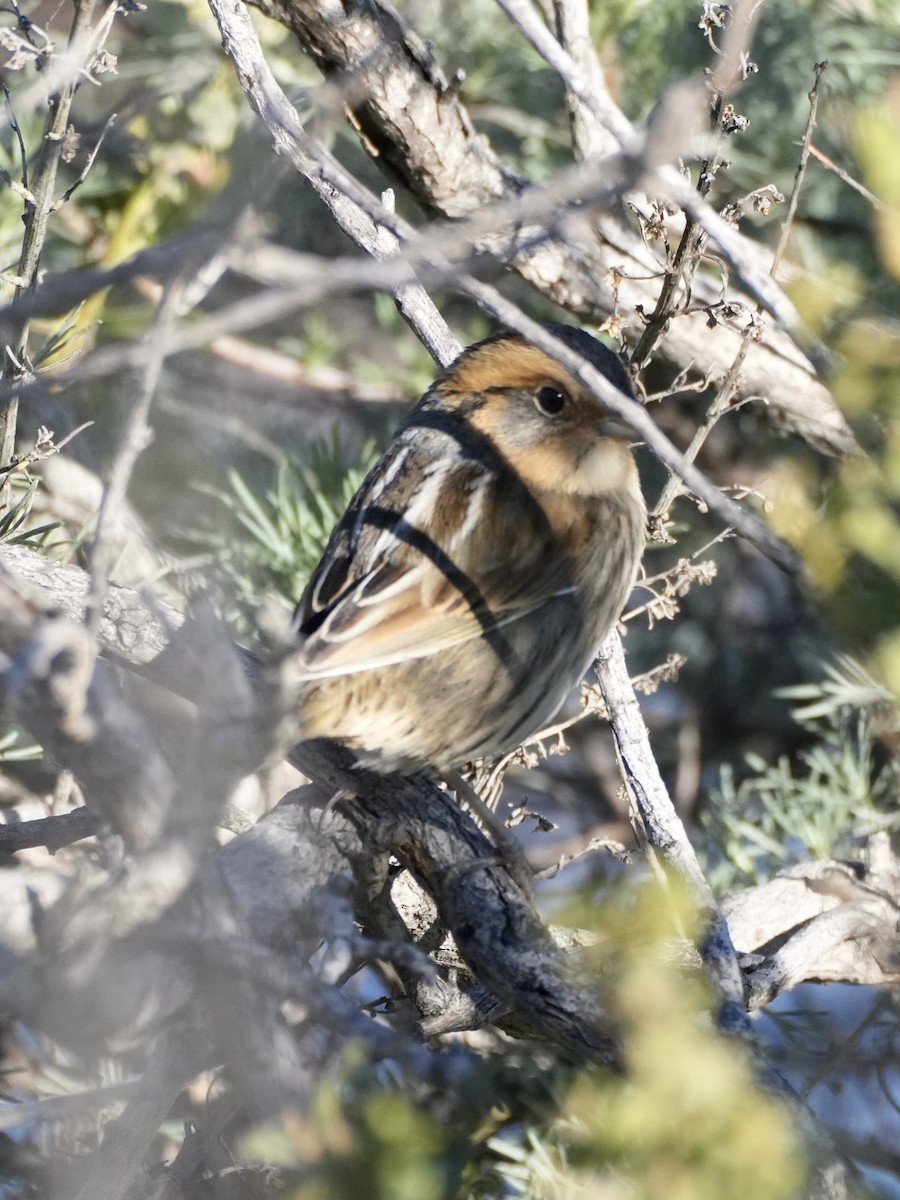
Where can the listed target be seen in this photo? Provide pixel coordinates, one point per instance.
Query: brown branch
(800, 173)
(493, 922)
(53, 832)
(491, 918)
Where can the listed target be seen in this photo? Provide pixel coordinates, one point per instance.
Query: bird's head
(552, 432)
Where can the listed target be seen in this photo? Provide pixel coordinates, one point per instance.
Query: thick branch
(825, 921)
(52, 832)
(656, 821)
(492, 920)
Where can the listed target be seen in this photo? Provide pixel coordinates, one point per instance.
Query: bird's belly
(476, 700)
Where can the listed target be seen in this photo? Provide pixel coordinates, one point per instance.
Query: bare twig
(674, 485)
(58, 71)
(687, 256)
(20, 140)
(752, 331)
(89, 162)
(800, 173)
(59, 1108)
(413, 302)
(830, 165)
(44, 446)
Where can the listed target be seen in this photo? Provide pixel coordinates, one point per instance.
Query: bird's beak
(612, 426)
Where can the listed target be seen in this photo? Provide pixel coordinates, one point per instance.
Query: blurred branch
(58, 1108)
(174, 1060)
(830, 165)
(76, 712)
(493, 921)
(787, 224)
(53, 832)
(588, 89)
(136, 434)
(368, 224)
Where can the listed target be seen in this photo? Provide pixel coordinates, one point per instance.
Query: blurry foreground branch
(232, 935)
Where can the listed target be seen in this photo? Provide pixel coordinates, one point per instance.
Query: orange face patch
(508, 365)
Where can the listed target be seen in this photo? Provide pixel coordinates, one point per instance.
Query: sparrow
(475, 573)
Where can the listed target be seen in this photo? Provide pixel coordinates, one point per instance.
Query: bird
(473, 576)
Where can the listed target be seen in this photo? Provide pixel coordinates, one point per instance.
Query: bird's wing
(387, 591)
(398, 613)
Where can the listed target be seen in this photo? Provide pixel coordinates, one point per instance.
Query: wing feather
(387, 591)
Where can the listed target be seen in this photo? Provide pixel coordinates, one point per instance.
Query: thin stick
(799, 174)
(830, 165)
(674, 485)
(91, 159)
(53, 832)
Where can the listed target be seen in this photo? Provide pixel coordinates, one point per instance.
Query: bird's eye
(550, 401)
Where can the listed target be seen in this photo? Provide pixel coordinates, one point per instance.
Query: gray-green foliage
(16, 746)
(275, 537)
(836, 794)
(17, 511)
